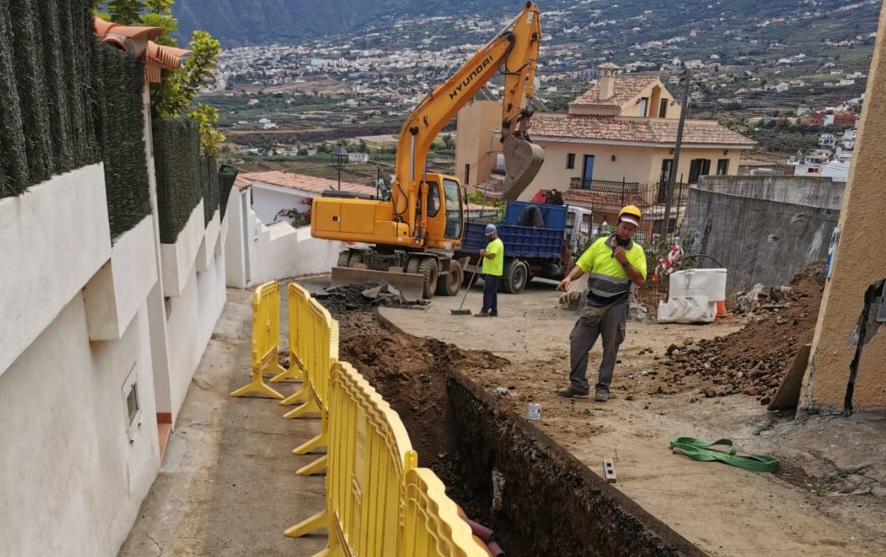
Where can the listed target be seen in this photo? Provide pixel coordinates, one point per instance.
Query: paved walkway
(227, 486)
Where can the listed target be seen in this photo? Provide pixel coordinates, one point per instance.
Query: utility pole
(676, 164)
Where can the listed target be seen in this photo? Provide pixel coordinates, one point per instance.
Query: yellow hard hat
(630, 211)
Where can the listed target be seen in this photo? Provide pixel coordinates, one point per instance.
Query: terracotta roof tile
(304, 183)
(138, 41)
(634, 130)
(626, 88)
(602, 200)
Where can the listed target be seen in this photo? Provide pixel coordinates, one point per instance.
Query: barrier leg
(294, 371)
(257, 385)
(309, 407)
(308, 525)
(315, 467)
(299, 396)
(308, 446)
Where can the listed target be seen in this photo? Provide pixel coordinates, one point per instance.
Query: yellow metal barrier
(300, 340)
(369, 452)
(299, 335)
(322, 333)
(323, 355)
(265, 339)
(431, 526)
(297, 298)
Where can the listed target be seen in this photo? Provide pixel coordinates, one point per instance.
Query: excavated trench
(504, 472)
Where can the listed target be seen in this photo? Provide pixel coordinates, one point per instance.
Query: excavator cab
(445, 212)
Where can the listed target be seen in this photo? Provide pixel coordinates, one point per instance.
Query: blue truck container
(554, 215)
(529, 251)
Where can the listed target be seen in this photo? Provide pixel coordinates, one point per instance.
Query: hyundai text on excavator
(416, 230)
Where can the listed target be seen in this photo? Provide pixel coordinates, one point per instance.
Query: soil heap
(753, 360)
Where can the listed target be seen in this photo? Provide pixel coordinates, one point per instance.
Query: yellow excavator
(414, 232)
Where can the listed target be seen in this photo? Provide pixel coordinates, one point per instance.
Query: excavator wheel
(343, 258)
(449, 284)
(428, 269)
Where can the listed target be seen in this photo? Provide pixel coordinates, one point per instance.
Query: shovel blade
(411, 286)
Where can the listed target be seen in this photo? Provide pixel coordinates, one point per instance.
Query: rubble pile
(363, 297)
(352, 305)
(753, 360)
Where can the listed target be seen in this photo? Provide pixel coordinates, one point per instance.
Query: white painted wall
(54, 237)
(268, 201)
(71, 483)
(236, 243)
(280, 251)
(256, 253)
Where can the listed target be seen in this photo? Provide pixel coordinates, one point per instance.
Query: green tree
(174, 95)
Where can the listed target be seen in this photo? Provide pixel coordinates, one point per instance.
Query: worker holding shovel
(493, 267)
(614, 262)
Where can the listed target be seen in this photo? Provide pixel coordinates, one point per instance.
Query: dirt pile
(363, 296)
(409, 372)
(753, 360)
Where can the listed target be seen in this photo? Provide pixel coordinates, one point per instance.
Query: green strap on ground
(698, 449)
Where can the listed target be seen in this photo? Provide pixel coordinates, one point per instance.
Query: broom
(461, 311)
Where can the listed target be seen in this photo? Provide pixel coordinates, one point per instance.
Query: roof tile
(634, 130)
(626, 88)
(310, 184)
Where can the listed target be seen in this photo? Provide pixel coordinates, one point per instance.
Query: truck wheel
(448, 284)
(516, 275)
(428, 269)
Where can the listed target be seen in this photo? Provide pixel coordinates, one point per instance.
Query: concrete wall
(477, 142)
(269, 200)
(71, 481)
(831, 382)
(82, 318)
(762, 229)
(256, 253)
(54, 237)
(236, 245)
(279, 251)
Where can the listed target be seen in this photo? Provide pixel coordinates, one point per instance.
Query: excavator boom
(412, 235)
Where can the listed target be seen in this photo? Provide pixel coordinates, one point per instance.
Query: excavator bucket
(522, 162)
(411, 286)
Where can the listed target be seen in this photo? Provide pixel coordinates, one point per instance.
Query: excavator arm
(514, 52)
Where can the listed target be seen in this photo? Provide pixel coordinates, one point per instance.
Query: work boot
(572, 392)
(481, 314)
(601, 396)
(493, 314)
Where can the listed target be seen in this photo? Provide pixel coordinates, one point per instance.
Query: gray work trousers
(582, 339)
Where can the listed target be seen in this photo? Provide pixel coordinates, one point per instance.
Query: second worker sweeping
(493, 266)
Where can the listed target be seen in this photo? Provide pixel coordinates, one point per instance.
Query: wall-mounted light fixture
(672, 151)
(612, 158)
(725, 152)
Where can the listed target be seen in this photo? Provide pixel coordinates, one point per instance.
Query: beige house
(614, 145)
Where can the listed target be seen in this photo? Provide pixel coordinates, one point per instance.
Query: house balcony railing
(607, 186)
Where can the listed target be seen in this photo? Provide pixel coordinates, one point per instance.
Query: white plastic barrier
(693, 296)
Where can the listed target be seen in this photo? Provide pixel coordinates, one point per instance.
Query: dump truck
(538, 243)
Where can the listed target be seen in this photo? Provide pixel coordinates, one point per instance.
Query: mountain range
(616, 25)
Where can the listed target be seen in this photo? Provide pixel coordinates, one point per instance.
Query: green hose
(697, 449)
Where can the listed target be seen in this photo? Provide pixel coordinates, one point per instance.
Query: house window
(663, 108)
(644, 104)
(570, 160)
(132, 408)
(722, 167)
(467, 174)
(698, 167)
